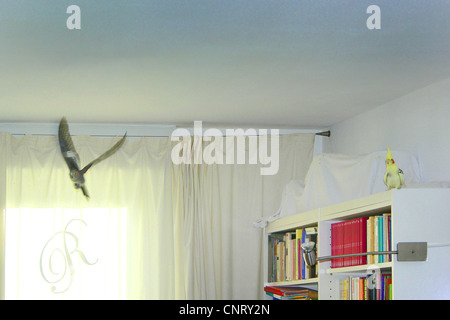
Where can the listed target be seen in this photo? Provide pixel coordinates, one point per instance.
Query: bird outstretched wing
(73, 159)
(105, 155)
(66, 144)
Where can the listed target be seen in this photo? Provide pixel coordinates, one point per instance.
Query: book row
(360, 235)
(290, 293)
(373, 287)
(379, 237)
(286, 255)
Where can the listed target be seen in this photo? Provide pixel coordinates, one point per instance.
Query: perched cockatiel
(393, 178)
(73, 159)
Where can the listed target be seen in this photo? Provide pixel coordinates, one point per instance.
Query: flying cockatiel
(393, 178)
(73, 159)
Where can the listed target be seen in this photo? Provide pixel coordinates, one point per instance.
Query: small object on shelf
(309, 256)
(290, 293)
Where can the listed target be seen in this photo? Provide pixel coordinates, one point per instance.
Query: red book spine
(354, 241)
(337, 250)
(333, 244)
(336, 244)
(342, 237)
(359, 245)
(300, 260)
(363, 239)
(300, 266)
(358, 259)
(348, 242)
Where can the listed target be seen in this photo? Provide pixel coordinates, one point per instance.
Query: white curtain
(164, 231)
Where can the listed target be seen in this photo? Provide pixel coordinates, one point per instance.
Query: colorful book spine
(299, 263)
(360, 235)
(303, 263)
(373, 287)
(287, 256)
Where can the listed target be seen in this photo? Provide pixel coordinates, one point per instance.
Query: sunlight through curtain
(151, 230)
(66, 253)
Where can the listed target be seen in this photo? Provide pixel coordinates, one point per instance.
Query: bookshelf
(415, 215)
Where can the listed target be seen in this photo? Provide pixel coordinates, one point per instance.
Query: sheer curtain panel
(151, 230)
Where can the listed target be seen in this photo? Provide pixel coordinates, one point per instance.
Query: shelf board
(294, 282)
(300, 220)
(369, 205)
(360, 268)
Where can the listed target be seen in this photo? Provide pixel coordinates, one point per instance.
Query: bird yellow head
(389, 159)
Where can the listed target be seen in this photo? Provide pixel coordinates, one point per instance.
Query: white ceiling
(285, 63)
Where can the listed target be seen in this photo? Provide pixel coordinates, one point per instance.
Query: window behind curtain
(65, 253)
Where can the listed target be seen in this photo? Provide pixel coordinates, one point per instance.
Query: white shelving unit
(418, 215)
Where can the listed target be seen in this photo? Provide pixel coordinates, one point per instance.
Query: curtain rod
(134, 131)
(323, 134)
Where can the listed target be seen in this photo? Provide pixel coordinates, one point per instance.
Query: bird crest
(389, 159)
